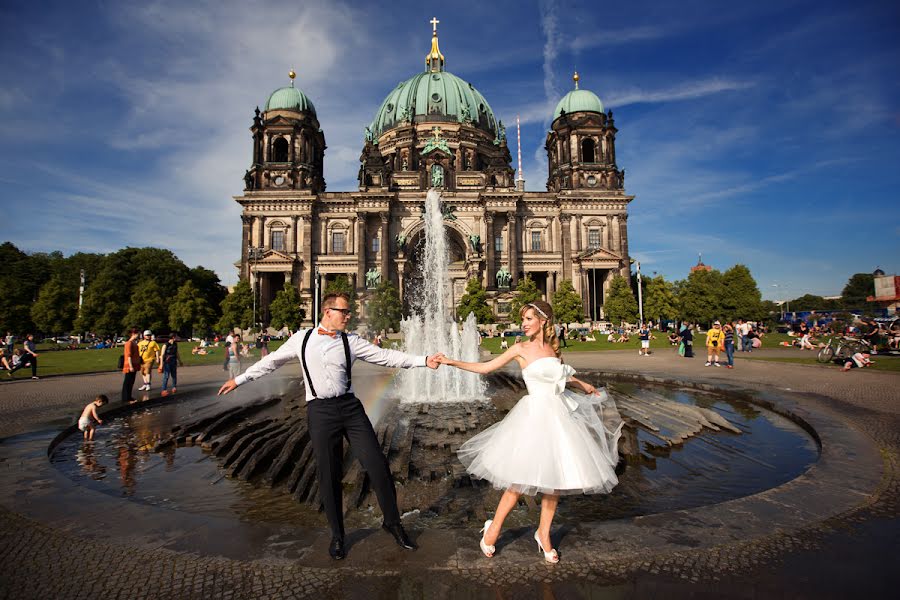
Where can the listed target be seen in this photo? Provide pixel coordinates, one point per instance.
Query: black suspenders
(306, 369)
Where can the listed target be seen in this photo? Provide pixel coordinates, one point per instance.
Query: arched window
(280, 150)
(587, 150)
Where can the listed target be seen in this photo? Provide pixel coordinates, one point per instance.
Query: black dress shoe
(402, 539)
(336, 549)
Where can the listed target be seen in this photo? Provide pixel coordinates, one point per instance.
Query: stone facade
(576, 230)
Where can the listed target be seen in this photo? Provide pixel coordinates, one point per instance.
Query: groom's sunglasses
(345, 311)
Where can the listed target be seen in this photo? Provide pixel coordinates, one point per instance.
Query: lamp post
(315, 318)
(254, 253)
(640, 293)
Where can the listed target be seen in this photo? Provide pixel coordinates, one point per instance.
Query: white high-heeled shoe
(552, 556)
(485, 548)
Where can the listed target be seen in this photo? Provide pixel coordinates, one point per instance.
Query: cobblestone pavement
(852, 554)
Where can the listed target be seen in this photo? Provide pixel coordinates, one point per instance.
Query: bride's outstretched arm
(588, 388)
(483, 367)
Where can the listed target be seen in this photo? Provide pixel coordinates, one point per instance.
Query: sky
(767, 133)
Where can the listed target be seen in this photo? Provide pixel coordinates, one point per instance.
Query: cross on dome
(434, 23)
(434, 59)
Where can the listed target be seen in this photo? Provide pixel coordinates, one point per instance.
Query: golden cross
(437, 132)
(434, 23)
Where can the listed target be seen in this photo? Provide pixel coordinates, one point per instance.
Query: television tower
(520, 177)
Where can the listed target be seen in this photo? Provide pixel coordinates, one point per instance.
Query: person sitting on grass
(89, 416)
(622, 338)
(807, 342)
(4, 362)
(673, 339)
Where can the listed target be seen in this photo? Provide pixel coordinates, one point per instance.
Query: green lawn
(57, 362)
(879, 362)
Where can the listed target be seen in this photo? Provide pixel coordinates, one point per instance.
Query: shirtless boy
(89, 417)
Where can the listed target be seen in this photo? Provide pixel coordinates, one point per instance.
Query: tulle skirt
(552, 444)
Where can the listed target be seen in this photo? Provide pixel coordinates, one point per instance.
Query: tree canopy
(660, 302)
(859, 287)
(620, 303)
(237, 308)
(475, 301)
(567, 304)
(526, 292)
(699, 296)
(191, 311)
(739, 297)
(286, 310)
(384, 308)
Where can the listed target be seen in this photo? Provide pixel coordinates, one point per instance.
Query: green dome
(434, 96)
(578, 101)
(290, 98)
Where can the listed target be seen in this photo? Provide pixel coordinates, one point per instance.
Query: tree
(859, 287)
(384, 308)
(620, 304)
(739, 296)
(660, 302)
(342, 285)
(209, 288)
(56, 307)
(190, 310)
(286, 310)
(567, 305)
(526, 292)
(148, 307)
(237, 308)
(699, 296)
(475, 301)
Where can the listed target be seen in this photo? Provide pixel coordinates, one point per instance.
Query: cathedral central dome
(434, 96)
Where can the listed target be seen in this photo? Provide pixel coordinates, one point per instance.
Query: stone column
(512, 244)
(306, 254)
(579, 246)
(360, 249)
(385, 246)
(623, 240)
(246, 221)
(292, 244)
(490, 274)
(565, 225)
(323, 236)
(616, 236)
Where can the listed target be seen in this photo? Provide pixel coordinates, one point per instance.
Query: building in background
(434, 130)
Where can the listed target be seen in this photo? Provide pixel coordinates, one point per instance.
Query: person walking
(644, 335)
(232, 352)
(263, 343)
(326, 353)
(28, 358)
(10, 342)
(149, 351)
(169, 364)
(714, 341)
(729, 345)
(743, 331)
(131, 364)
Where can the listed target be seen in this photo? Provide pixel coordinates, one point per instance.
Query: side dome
(433, 97)
(290, 98)
(578, 101)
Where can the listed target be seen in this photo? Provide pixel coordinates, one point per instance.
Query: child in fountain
(89, 417)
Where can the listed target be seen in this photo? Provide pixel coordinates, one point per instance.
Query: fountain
(262, 463)
(430, 328)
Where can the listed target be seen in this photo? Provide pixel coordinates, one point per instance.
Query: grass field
(52, 361)
(58, 362)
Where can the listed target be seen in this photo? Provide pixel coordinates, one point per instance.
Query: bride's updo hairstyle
(543, 310)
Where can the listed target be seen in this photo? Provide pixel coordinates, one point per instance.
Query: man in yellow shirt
(715, 340)
(148, 350)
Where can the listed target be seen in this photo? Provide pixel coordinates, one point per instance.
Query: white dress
(553, 441)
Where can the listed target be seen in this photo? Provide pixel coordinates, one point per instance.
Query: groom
(327, 353)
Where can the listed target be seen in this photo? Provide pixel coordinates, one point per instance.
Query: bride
(553, 441)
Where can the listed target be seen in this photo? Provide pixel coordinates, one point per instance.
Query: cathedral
(434, 130)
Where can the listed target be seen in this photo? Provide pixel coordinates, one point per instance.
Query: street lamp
(315, 318)
(254, 253)
(640, 293)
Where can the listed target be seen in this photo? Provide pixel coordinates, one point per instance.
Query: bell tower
(581, 145)
(288, 145)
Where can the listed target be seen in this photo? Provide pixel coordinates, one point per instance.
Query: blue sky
(766, 134)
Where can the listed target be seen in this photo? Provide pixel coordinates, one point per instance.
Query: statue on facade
(248, 181)
(437, 176)
(373, 278)
(401, 241)
(475, 243)
(405, 115)
(503, 278)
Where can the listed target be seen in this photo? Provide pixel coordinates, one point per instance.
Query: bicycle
(842, 347)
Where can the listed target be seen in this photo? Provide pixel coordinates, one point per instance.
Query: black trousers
(128, 386)
(330, 421)
(27, 361)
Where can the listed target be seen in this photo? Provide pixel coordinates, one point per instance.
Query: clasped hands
(433, 361)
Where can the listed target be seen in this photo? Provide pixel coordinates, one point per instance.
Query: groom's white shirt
(326, 361)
